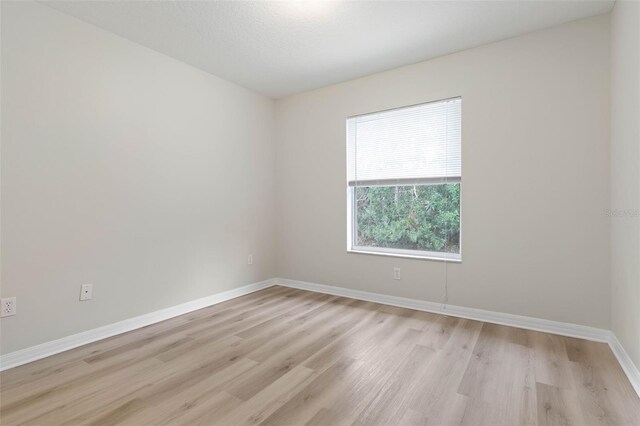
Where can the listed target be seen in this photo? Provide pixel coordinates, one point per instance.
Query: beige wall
(126, 169)
(535, 177)
(625, 175)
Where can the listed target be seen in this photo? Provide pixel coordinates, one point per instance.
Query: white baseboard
(536, 324)
(53, 347)
(547, 326)
(626, 363)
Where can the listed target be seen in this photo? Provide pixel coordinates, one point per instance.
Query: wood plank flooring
(290, 357)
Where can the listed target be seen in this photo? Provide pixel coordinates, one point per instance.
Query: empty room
(318, 212)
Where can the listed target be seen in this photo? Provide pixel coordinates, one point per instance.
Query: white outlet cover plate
(86, 292)
(9, 307)
(396, 273)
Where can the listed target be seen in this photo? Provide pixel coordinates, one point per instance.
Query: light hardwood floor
(288, 357)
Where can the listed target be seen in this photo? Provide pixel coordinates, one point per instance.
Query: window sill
(406, 255)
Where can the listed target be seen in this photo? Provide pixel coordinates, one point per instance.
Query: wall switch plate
(9, 307)
(396, 273)
(86, 292)
(250, 259)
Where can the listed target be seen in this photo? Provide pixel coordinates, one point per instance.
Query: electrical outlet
(250, 260)
(86, 292)
(9, 307)
(396, 273)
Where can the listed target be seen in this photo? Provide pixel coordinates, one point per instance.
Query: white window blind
(406, 146)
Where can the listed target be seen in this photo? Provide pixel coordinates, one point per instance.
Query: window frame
(352, 222)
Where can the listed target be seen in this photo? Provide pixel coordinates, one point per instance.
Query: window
(404, 178)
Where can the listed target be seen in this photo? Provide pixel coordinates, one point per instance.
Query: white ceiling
(279, 48)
